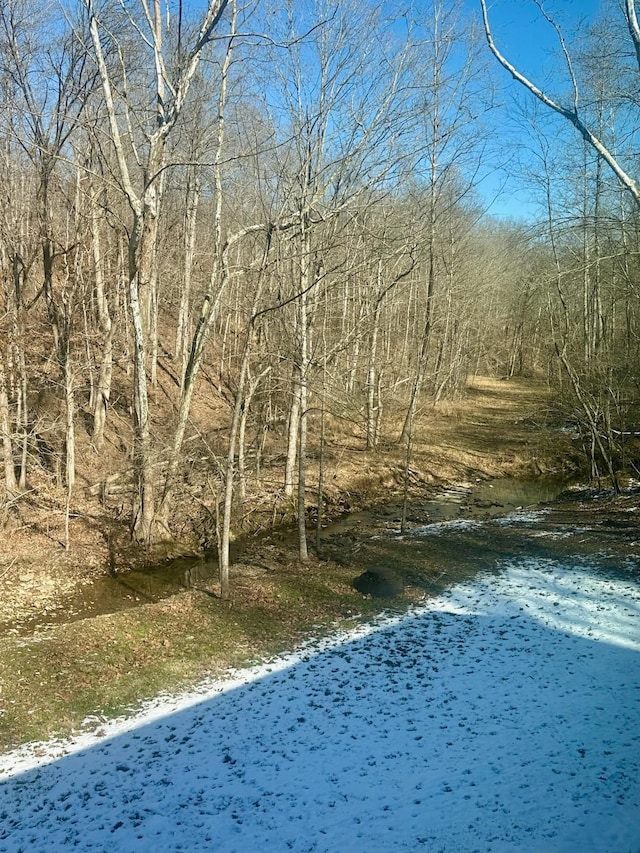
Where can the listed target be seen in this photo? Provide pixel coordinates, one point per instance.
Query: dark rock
(380, 583)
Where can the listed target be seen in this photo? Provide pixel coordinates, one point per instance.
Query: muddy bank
(124, 586)
(69, 674)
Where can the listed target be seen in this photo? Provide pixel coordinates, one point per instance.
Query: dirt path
(499, 429)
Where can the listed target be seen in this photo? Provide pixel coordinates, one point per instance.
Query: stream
(465, 529)
(482, 527)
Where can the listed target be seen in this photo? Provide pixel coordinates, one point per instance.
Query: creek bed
(465, 529)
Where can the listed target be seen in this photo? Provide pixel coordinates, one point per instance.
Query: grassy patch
(108, 664)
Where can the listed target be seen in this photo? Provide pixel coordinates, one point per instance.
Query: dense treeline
(219, 232)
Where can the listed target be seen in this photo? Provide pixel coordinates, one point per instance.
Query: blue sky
(530, 43)
(522, 33)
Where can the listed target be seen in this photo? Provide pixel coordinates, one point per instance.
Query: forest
(232, 233)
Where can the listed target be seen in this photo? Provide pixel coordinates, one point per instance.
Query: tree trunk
(425, 339)
(10, 483)
(70, 407)
(143, 526)
(225, 535)
(372, 384)
(103, 389)
(154, 285)
(305, 348)
(302, 471)
(253, 387)
(423, 356)
(23, 419)
(190, 223)
(293, 431)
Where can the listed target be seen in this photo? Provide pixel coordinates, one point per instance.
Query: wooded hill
(228, 227)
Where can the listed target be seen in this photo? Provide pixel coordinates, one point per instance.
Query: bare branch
(565, 51)
(634, 27)
(571, 115)
(131, 194)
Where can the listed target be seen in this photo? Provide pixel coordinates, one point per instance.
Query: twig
(10, 566)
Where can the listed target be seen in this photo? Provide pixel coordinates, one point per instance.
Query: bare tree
(451, 151)
(341, 114)
(172, 78)
(573, 112)
(589, 342)
(53, 81)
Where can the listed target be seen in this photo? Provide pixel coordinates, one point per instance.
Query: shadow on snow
(486, 720)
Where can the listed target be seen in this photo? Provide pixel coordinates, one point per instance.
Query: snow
(437, 528)
(523, 516)
(502, 716)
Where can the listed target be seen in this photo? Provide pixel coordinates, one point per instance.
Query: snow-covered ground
(502, 716)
